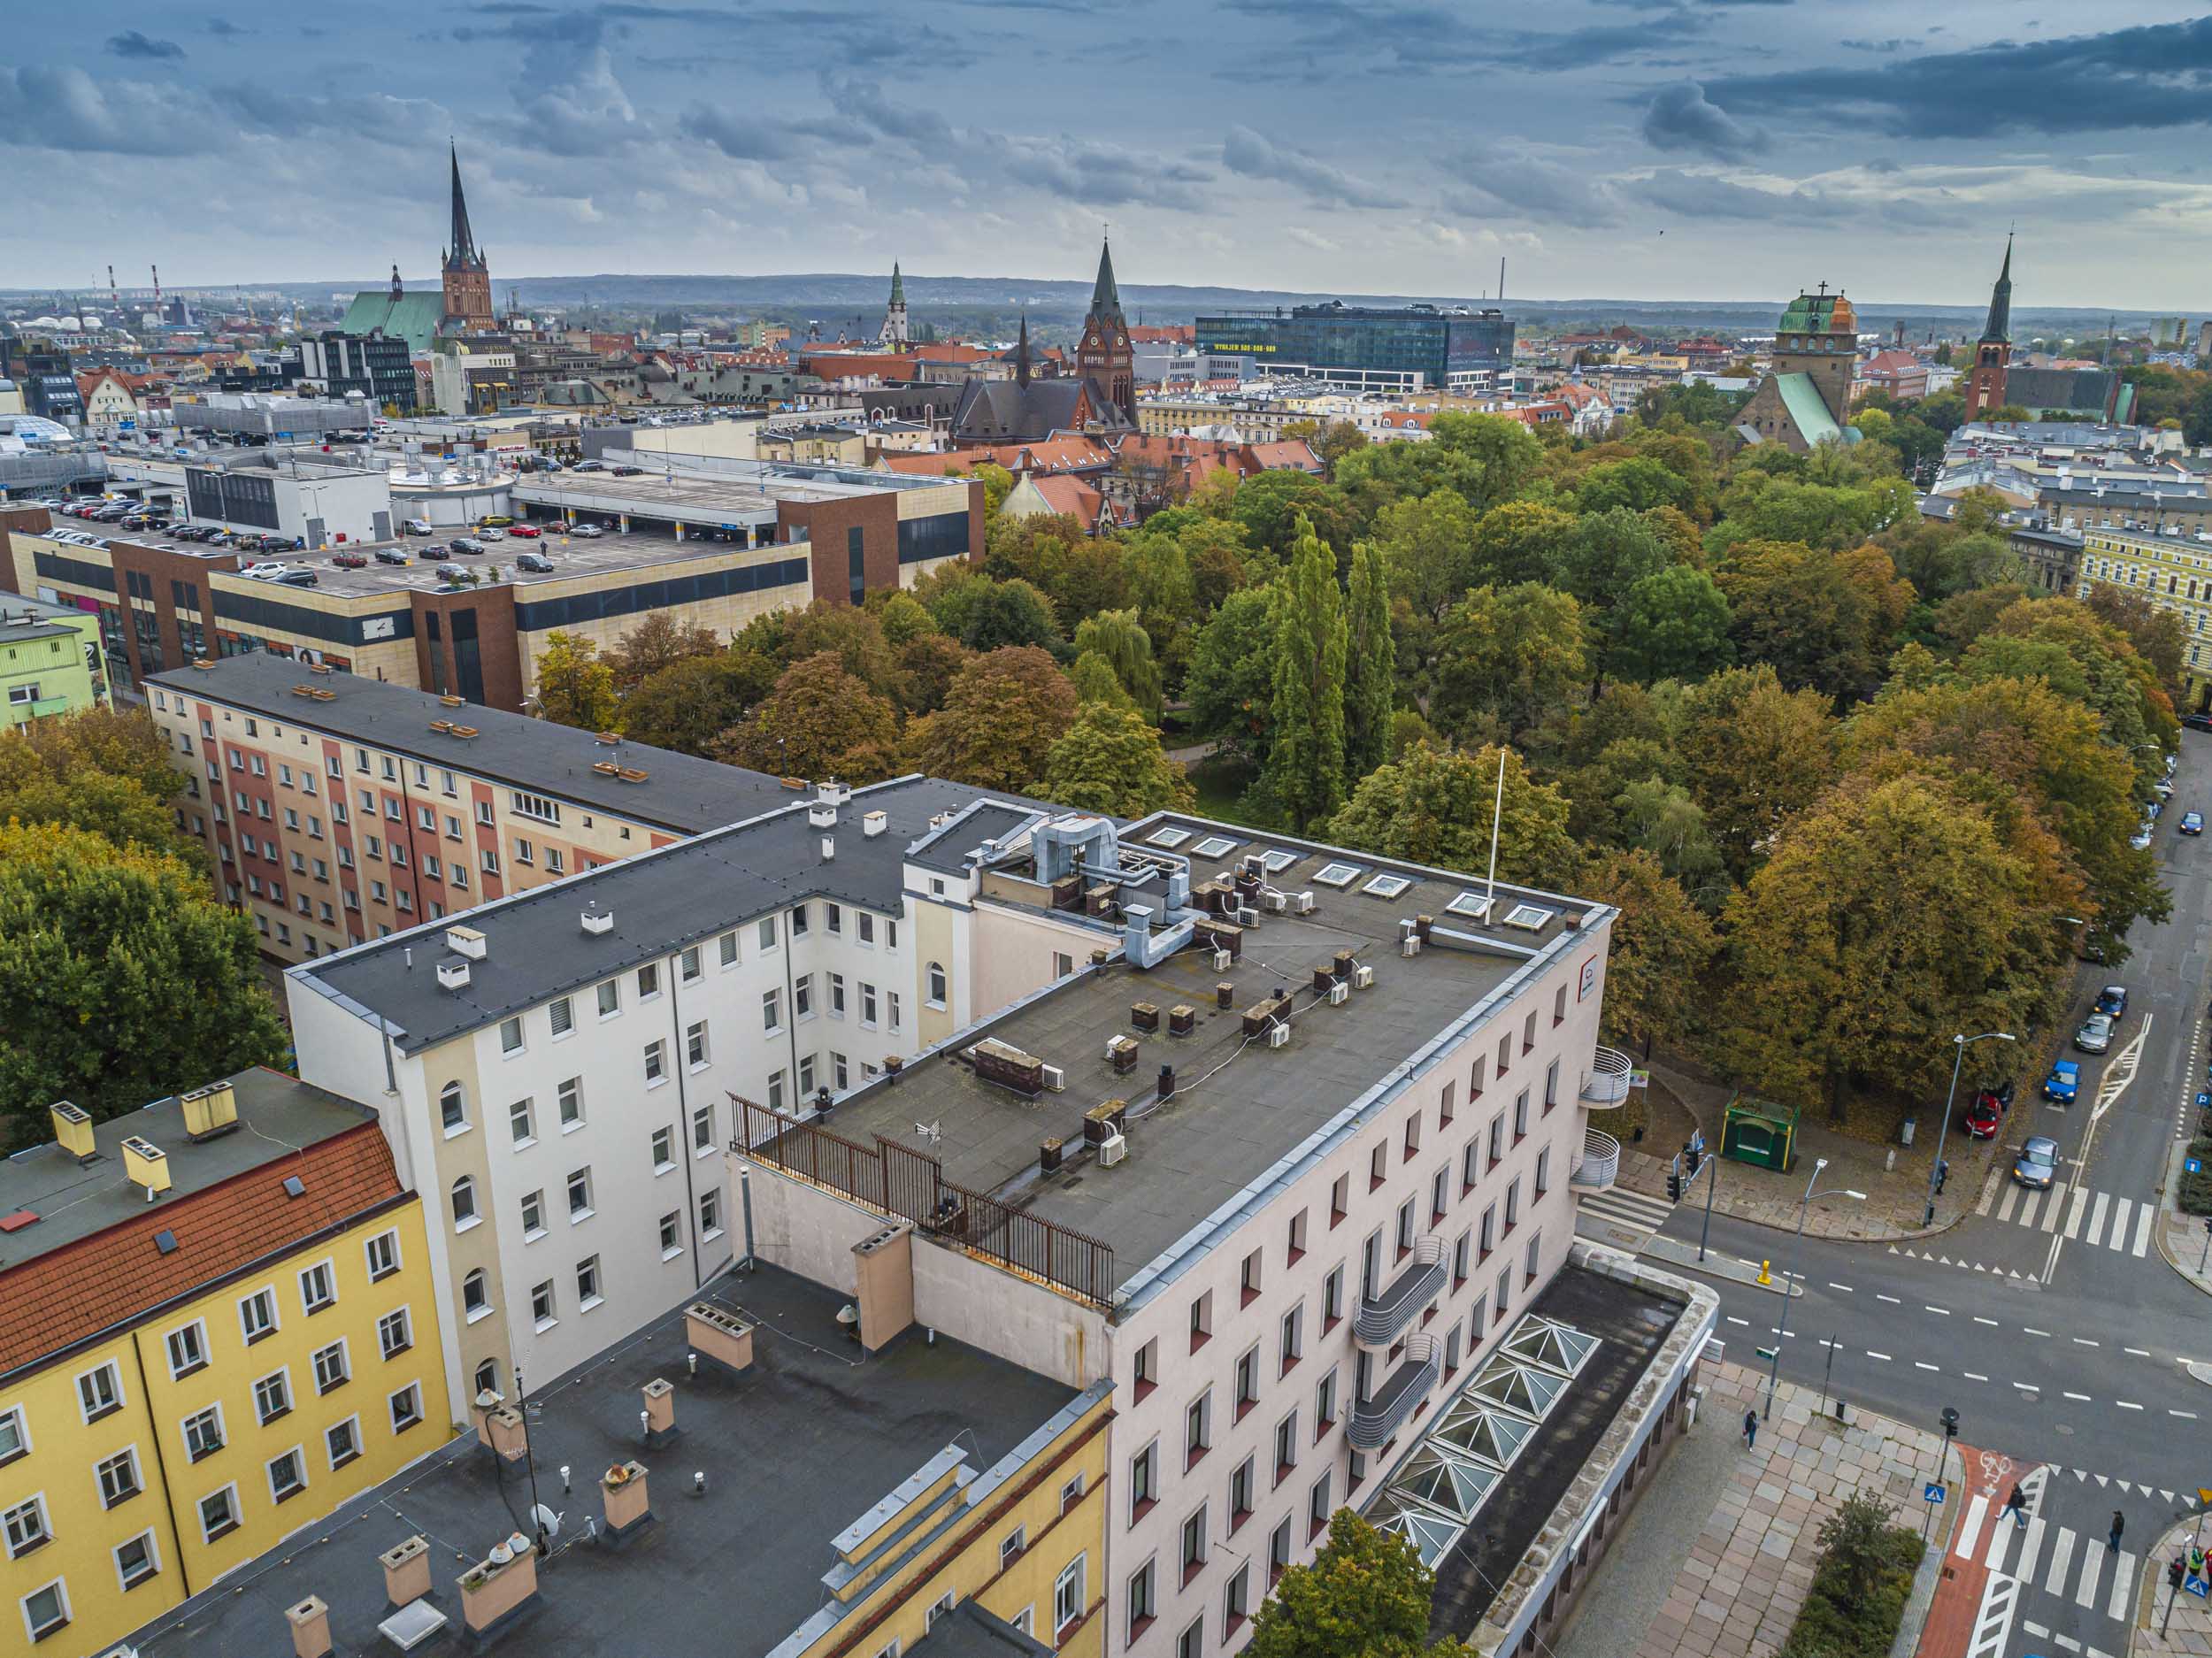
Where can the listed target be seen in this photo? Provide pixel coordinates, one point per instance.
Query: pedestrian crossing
(2075, 1213)
(2079, 1567)
(1627, 1211)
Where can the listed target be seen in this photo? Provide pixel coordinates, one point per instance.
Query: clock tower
(1103, 355)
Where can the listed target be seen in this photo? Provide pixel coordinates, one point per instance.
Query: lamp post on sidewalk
(1959, 1045)
(1782, 1330)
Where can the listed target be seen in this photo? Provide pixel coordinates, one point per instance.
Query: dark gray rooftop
(794, 1450)
(971, 1632)
(1240, 1108)
(74, 1201)
(948, 848)
(680, 792)
(536, 945)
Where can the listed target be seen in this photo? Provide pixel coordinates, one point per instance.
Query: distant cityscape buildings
(1417, 348)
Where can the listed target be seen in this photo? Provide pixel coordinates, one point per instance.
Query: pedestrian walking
(2017, 1506)
(1943, 1174)
(2119, 1524)
(1751, 1433)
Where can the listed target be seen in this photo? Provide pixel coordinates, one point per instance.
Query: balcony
(1374, 1423)
(23, 713)
(1600, 1161)
(1607, 1085)
(1382, 1317)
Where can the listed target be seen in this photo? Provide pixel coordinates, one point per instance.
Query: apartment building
(558, 1074)
(336, 810)
(2174, 571)
(50, 661)
(216, 1325)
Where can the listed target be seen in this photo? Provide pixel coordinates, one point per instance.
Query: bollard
(1764, 1276)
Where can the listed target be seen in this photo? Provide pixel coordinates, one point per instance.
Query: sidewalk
(2189, 1633)
(1734, 1587)
(2181, 1238)
(1896, 1198)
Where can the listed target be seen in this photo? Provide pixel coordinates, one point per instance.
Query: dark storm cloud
(1681, 116)
(1257, 156)
(131, 43)
(2159, 75)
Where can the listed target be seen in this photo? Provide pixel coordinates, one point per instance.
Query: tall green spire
(2000, 328)
(1105, 298)
(898, 286)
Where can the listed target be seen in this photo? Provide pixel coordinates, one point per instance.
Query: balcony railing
(1386, 1411)
(1607, 1085)
(1383, 1317)
(1600, 1161)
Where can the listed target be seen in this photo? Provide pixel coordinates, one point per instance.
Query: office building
(50, 660)
(375, 367)
(219, 1327)
(1421, 347)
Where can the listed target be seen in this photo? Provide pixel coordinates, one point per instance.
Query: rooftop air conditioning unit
(1221, 961)
(598, 922)
(1409, 946)
(1056, 1079)
(1248, 917)
(1275, 901)
(453, 975)
(1362, 976)
(1303, 904)
(1277, 1034)
(1340, 993)
(1112, 1149)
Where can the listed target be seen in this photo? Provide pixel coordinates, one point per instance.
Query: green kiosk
(1759, 1132)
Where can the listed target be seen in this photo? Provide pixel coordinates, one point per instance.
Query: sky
(1659, 149)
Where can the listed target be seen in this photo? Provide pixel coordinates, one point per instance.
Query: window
(939, 991)
(803, 996)
(273, 1395)
(203, 1433)
(672, 1234)
(394, 1333)
(1489, 1229)
(766, 933)
(219, 1513)
(655, 1062)
(867, 1003)
(867, 924)
(1144, 1481)
(1193, 1543)
(1202, 1320)
(1068, 1597)
(1513, 1204)
(1286, 1446)
(1520, 1117)
(1192, 1642)
(1543, 1171)
(1444, 1106)
(26, 1527)
(136, 1561)
(711, 1214)
(1413, 1135)
(772, 1011)
(187, 1349)
(687, 965)
(562, 1013)
(119, 1478)
(1317, 1507)
(1497, 1139)
(1340, 1198)
(726, 948)
(1197, 1427)
(1236, 1601)
(100, 1392)
(1248, 1279)
(1377, 1166)
(406, 1408)
(1459, 1259)
(1470, 1165)
(1247, 1382)
(1529, 1260)
(1241, 1493)
(663, 1149)
(1405, 1226)
(1324, 1405)
(287, 1475)
(1292, 1346)
(15, 1440)
(702, 1128)
(587, 1283)
(571, 1095)
(465, 1214)
(834, 919)
(258, 1316)
(696, 1045)
(383, 1253)
(519, 1122)
(1145, 1369)
(1332, 1297)
(510, 1035)
(798, 921)
(1278, 1550)
(1436, 1194)
(580, 1195)
(46, 1610)
(542, 1310)
(609, 994)
(1143, 1598)
(532, 1216)
(318, 1288)
(837, 995)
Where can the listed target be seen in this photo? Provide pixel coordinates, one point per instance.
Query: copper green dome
(1818, 313)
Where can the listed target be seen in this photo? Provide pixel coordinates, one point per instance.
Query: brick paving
(1751, 1566)
(2189, 1634)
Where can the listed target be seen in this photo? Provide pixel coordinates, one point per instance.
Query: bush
(1860, 1585)
(2194, 1193)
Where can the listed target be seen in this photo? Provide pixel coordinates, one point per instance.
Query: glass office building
(1421, 347)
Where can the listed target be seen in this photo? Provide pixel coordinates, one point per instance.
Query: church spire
(2000, 301)
(1105, 296)
(462, 251)
(1021, 354)
(898, 285)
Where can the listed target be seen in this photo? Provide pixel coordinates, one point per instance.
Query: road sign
(1639, 1079)
(1765, 1353)
(2192, 1165)
(1933, 1491)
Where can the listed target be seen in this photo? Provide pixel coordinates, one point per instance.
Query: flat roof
(795, 1449)
(23, 617)
(536, 945)
(680, 792)
(1240, 1107)
(572, 556)
(74, 1201)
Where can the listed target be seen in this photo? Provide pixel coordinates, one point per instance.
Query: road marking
(2142, 1232)
(2083, 1397)
(1846, 1288)
(1978, 1319)
(2083, 1341)
(2032, 1330)
(2011, 1198)
(2027, 1387)
(2031, 1541)
(2096, 1219)
(2122, 1580)
(2140, 1352)
(2127, 1404)
(2187, 1416)
(1993, 1624)
(1873, 1354)
(2036, 1630)
(1923, 1364)
(2027, 1208)
(1944, 1312)
(1732, 1319)
(2002, 1526)
(1974, 1376)
(1892, 1300)
(2061, 1557)
(1989, 1191)
(2058, 1203)
(1962, 1545)
(2091, 1568)
(2081, 1203)
(2120, 1207)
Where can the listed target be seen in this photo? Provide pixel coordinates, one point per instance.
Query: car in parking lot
(588, 532)
(2197, 722)
(629, 471)
(2112, 1001)
(2192, 823)
(349, 561)
(391, 556)
(2038, 1163)
(2095, 1034)
(536, 563)
(265, 570)
(418, 526)
(2141, 839)
(463, 544)
(494, 521)
(600, 467)
(297, 578)
(2064, 1082)
(1984, 1117)
(460, 575)
(526, 531)
(491, 534)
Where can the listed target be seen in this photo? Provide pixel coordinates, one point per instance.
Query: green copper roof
(1803, 399)
(898, 285)
(413, 317)
(1812, 313)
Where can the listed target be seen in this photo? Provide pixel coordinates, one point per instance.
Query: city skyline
(1718, 151)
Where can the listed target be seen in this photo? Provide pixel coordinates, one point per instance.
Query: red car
(349, 561)
(526, 531)
(1986, 1115)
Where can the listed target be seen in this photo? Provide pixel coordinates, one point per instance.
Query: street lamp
(1782, 1331)
(1959, 1045)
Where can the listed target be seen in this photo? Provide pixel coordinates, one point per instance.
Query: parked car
(2141, 839)
(526, 531)
(2063, 1082)
(629, 471)
(2192, 823)
(278, 543)
(1984, 1117)
(265, 570)
(493, 534)
(460, 575)
(463, 544)
(536, 563)
(2095, 1034)
(418, 526)
(600, 467)
(2112, 1001)
(349, 561)
(2038, 1165)
(2197, 722)
(299, 578)
(587, 532)
(494, 521)
(391, 556)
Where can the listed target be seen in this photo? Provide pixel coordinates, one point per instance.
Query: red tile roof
(1072, 497)
(1055, 455)
(51, 1301)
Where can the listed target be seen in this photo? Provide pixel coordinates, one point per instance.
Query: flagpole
(1497, 810)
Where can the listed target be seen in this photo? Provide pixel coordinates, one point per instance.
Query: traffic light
(1674, 1189)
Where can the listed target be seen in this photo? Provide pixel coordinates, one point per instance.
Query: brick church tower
(1992, 353)
(1104, 354)
(468, 278)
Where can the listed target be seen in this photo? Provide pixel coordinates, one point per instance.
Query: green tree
(688, 705)
(1338, 439)
(1095, 681)
(1110, 761)
(1364, 1594)
(1231, 684)
(851, 634)
(986, 615)
(1753, 752)
(104, 770)
(1799, 611)
(1429, 550)
(1663, 946)
(1655, 816)
(901, 616)
(1511, 655)
(575, 687)
(1520, 540)
(1305, 767)
(1435, 806)
(1671, 624)
(927, 664)
(2155, 632)
(818, 722)
(654, 644)
(1118, 638)
(1279, 510)
(997, 482)
(1165, 595)
(122, 977)
(1371, 666)
(1002, 714)
(1638, 483)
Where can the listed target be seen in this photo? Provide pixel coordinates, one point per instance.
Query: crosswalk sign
(1933, 1491)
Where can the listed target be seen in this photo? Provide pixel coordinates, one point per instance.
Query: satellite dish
(549, 1521)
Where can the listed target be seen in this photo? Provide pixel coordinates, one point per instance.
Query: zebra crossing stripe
(2091, 1568)
(2142, 1232)
(2081, 1203)
(2061, 1557)
(1971, 1527)
(2122, 1580)
(2050, 1219)
(2096, 1219)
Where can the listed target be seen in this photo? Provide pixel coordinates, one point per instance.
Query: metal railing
(1601, 1163)
(1382, 1317)
(900, 1180)
(1374, 1423)
(1608, 1081)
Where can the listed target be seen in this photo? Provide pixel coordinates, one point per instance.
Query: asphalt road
(2049, 1321)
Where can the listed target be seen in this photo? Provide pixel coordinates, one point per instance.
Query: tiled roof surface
(63, 1296)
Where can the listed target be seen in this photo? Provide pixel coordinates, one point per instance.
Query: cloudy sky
(1638, 148)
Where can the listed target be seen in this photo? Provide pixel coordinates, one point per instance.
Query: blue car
(2063, 1082)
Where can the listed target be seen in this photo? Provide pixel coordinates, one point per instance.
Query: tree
(122, 977)
(1165, 595)
(1338, 439)
(688, 705)
(1799, 611)
(1434, 806)
(1095, 681)
(851, 634)
(576, 687)
(1753, 753)
(1279, 510)
(818, 722)
(1605, 555)
(1429, 550)
(986, 615)
(1364, 1594)
(1663, 944)
(997, 482)
(901, 616)
(1083, 576)
(1511, 655)
(654, 643)
(1002, 714)
(1638, 483)
(1671, 624)
(1120, 639)
(926, 664)
(1110, 761)
(1371, 666)
(2155, 632)
(1888, 917)
(1231, 683)
(1521, 540)
(1305, 768)
(103, 769)
(1652, 815)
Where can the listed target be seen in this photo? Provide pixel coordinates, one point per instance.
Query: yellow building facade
(2174, 573)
